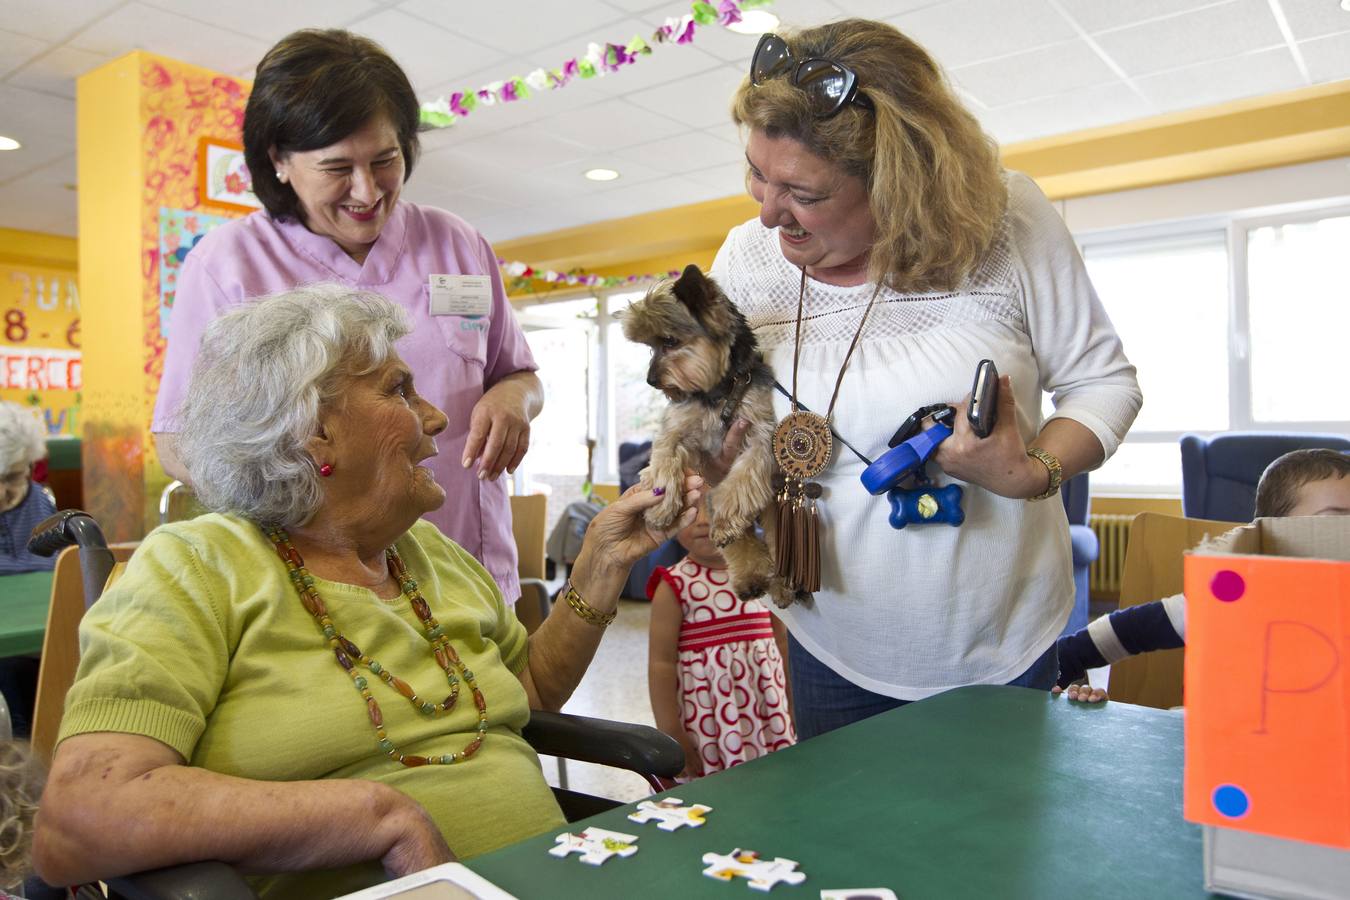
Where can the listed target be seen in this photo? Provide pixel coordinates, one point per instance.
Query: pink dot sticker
(1227, 586)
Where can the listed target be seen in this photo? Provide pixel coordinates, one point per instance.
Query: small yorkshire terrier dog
(705, 360)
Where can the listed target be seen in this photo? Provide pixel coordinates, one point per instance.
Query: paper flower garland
(597, 62)
(522, 276)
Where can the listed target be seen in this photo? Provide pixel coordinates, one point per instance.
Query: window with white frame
(1232, 325)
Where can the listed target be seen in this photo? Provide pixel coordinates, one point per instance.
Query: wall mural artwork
(40, 364)
(225, 181)
(179, 232)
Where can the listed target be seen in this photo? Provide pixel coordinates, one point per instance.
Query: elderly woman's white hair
(22, 440)
(263, 374)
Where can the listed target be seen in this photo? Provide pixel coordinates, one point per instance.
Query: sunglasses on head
(829, 85)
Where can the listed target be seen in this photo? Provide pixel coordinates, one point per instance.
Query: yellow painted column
(140, 120)
(109, 164)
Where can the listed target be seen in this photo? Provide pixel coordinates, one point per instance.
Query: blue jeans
(824, 701)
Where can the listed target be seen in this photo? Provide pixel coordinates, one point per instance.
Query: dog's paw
(751, 587)
(664, 515)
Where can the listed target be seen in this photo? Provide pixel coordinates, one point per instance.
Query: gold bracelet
(1051, 462)
(585, 610)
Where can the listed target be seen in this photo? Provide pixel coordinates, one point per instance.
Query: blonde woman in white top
(887, 221)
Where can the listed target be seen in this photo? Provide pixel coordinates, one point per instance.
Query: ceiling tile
(41, 201)
(1091, 107)
(469, 207)
(1221, 80)
(881, 9)
(1328, 58)
(608, 124)
(267, 20)
(1315, 18)
(28, 113)
(967, 31)
(682, 153)
(37, 151)
(17, 49)
(140, 27)
(430, 55)
(1215, 32)
(53, 21)
(55, 72)
(700, 100)
(523, 149)
(487, 24)
(728, 179)
(1036, 73)
(1095, 15)
(631, 171)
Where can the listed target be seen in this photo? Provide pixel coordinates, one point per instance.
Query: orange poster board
(1268, 694)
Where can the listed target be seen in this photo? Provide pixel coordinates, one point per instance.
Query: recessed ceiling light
(7, 143)
(601, 174)
(758, 21)
(1345, 5)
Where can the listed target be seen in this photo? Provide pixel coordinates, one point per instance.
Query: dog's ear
(695, 291)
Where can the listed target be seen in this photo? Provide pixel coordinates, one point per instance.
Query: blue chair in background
(1085, 546)
(633, 457)
(1219, 473)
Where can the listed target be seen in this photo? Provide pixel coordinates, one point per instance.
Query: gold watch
(1056, 471)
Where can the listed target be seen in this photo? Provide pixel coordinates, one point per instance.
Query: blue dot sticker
(1231, 801)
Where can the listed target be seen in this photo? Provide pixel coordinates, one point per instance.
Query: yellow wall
(40, 336)
(138, 121)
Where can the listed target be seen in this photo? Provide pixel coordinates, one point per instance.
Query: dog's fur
(704, 355)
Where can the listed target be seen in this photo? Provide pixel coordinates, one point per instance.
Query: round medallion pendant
(802, 444)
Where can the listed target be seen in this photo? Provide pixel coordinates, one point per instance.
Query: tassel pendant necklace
(803, 447)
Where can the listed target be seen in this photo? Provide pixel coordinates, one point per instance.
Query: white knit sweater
(915, 612)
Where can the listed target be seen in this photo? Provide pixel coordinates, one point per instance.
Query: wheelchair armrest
(623, 745)
(209, 880)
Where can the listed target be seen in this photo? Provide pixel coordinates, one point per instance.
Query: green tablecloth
(980, 792)
(23, 612)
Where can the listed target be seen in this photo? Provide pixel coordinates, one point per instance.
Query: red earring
(326, 469)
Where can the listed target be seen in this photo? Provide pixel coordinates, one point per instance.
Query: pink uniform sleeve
(197, 302)
(507, 350)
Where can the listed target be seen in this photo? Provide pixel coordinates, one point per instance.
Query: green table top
(978, 792)
(23, 612)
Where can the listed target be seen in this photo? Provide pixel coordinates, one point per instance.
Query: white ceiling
(1028, 68)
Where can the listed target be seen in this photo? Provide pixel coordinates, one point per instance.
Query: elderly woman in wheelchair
(312, 678)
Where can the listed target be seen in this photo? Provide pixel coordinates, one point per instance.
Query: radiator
(1113, 534)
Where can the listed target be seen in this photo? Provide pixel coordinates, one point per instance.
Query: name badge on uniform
(460, 295)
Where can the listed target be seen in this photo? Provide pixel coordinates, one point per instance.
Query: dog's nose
(653, 380)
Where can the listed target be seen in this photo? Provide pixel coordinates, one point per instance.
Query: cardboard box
(1268, 707)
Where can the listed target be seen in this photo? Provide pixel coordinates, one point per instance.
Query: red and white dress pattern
(733, 689)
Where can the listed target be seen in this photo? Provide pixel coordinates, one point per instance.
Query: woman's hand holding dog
(998, 463)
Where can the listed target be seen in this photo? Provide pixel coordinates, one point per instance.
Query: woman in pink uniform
(330, 137)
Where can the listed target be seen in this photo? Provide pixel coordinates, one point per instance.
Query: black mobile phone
(983, 412)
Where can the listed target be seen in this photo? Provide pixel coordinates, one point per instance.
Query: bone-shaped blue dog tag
(926, 505)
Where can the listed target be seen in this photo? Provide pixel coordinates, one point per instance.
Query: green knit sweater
(203, 644)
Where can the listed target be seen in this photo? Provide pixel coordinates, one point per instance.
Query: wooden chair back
(606, 493)
(1154, 569)
(528, 518)
(61, 644)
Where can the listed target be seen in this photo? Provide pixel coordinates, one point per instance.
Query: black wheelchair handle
(51, 535)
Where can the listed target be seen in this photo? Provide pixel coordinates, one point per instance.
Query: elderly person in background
(886, 220)
(23, 502)
(313, 678)
(330, 137)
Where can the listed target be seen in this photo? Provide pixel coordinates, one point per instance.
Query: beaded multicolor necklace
(348, 654)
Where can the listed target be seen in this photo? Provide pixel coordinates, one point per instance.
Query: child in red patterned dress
(715, 667)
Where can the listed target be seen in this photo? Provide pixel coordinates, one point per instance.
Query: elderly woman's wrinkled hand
(417, 843)
(998, 463)
(499, 435)
(619, 534)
